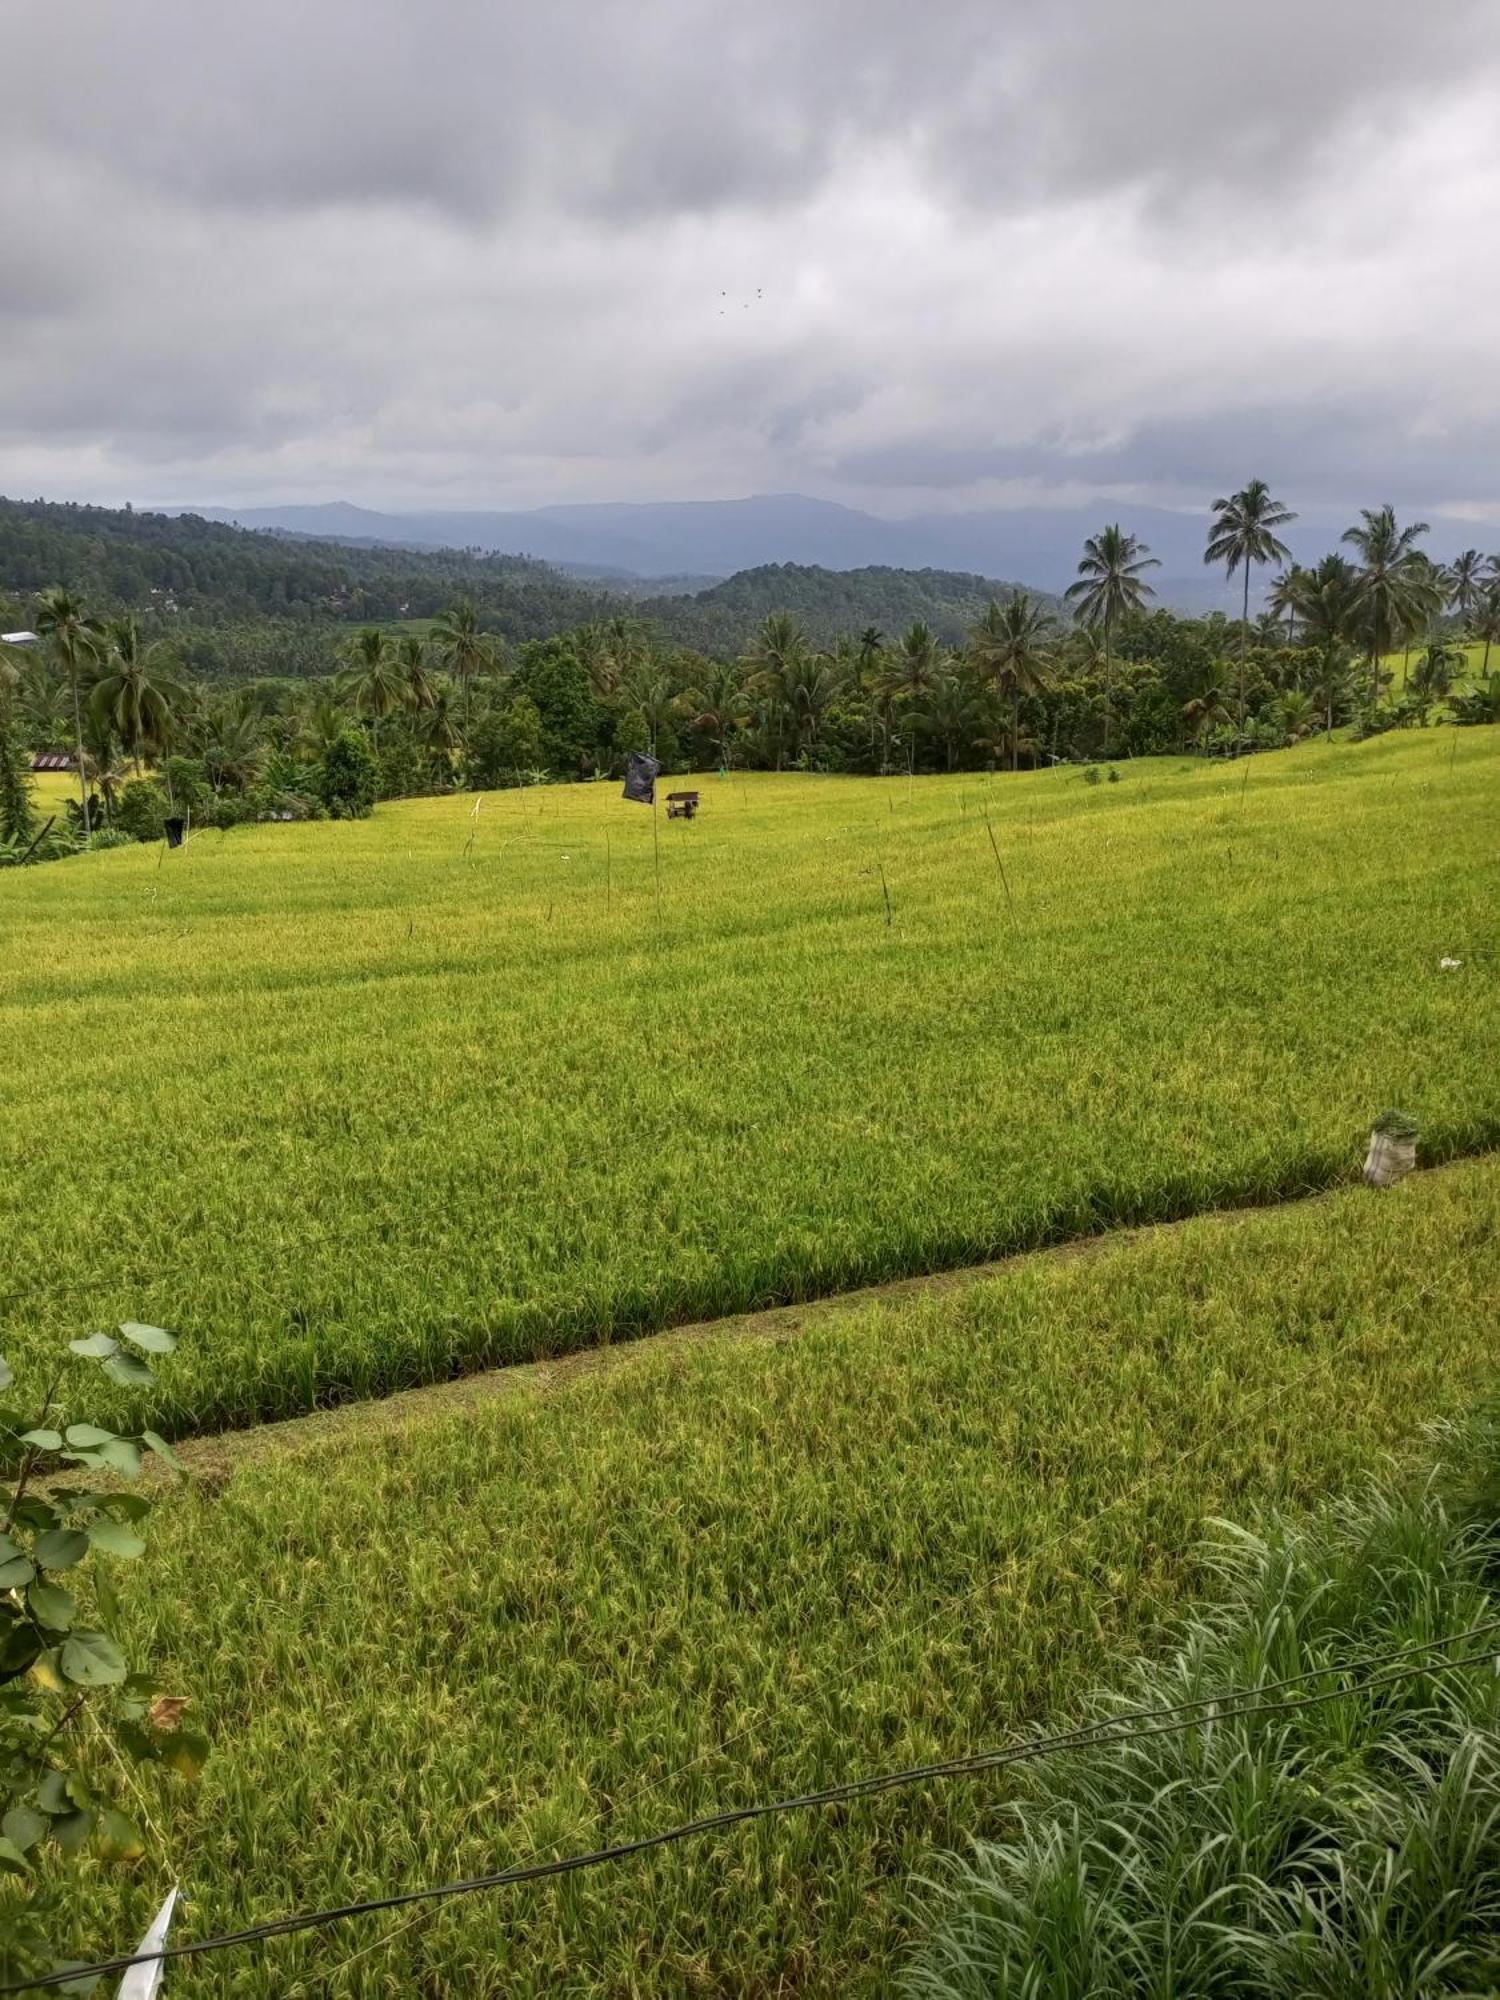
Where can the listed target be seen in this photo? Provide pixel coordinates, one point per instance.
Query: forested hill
(827, 602)
(120, 560)
(255, 601)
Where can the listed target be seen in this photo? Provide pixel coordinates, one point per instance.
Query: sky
(978, 252)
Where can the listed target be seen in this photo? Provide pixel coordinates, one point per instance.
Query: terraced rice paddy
(435, 1640)
(359, 1106)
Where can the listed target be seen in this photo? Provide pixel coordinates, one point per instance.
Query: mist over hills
(703, 539)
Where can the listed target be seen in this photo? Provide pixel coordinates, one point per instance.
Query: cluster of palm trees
(122, 692)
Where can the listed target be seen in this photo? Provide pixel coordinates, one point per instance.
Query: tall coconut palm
(1241, 535)
(437, 727)
(411, 660)
(808, 691)
(1391, 576)
(1008, 652)
(720, 709)
(73, 640)
(1328, 609)
(1285, 592)
(954, 711)
(776, 656)
(133, 694)
(908, 673)
(1110, 583)
(1463, 582)
(1486, 624)
(464, 650)
(373, 681)
(232, 743)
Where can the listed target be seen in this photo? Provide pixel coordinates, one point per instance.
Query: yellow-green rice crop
(730, 1568)
(360, 1105)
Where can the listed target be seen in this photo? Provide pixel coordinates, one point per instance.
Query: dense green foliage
(1352, 1847)
(827, 603)
(431, 1641)
(74, 1717)
(371, 1103)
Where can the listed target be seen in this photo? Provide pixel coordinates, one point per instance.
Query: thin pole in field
(656, 844)
(995, 845)
(609, 872)
(885, 889)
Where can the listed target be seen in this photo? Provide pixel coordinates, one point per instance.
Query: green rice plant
(1327, 1847)
(521, 1615)
(358, 1111)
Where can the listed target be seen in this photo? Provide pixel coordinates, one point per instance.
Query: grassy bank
(363, 1105)
(729, 1569)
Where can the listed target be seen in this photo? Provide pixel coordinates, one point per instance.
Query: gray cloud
(471, 254)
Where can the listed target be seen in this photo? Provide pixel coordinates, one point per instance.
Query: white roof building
(18, 638)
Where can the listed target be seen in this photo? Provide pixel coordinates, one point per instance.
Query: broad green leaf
(94, 1347)
(71, 1834)
(16, 1567)
(154, 1339)
(86, 1436)
(77, 1787)
(52, 1794)
(142, 1743)
(46, 1670)
(50, 1606)
(122, 1506)
(92, 1659)
(7, 1373)
(116, 1539)
(118, 1839)
(124, 1455)
(158, 1444)
(24, 1825)
(60, 1548)
(129, 1371)
(18, 1651)
(185, 1752)
(88, 1458)
(12, 1858)
(43, 1440)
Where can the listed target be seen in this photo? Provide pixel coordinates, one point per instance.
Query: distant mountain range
(692, 541)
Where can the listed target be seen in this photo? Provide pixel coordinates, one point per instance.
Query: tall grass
(355, 1112)
(1352, 1848)
(429, 1642)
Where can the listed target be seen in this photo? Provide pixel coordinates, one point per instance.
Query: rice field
(365, 1105)
(433, 1641)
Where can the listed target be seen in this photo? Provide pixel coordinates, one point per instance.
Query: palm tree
(1008, 650)
(808, 690)
(720, 708)
(1109, 584)
(1243, 533)
(74, 640)
(463, 649)
(1205, 708)
(953, 711)
(1437, 669)
(776, 657)
(131, 695)
(1285, 593)
(1463, 581)
(1389, 580)
(1328, 606)
(1486, 623)
(231, 742)
(373, 680)
(909, 671)
(411, 658)
(1296, 713)
(437, 727)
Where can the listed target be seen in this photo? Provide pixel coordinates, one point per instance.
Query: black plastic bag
(175, 831)
(640, 778)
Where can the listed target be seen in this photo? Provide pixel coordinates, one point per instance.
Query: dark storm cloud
(485, 253)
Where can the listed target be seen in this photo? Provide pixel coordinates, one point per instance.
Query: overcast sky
(470, 252)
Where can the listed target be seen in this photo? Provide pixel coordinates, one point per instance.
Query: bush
(347, 777)
(141, 812)
(504, 745)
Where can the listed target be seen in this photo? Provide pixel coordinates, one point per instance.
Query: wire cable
(1227, 1706)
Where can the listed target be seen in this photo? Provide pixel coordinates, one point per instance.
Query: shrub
(347, 777)
(141, 811)
(505, 743)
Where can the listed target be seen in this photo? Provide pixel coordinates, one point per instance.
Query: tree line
(1105, 674)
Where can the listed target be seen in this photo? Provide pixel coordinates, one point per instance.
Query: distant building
(52, 760)
(18, 639)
